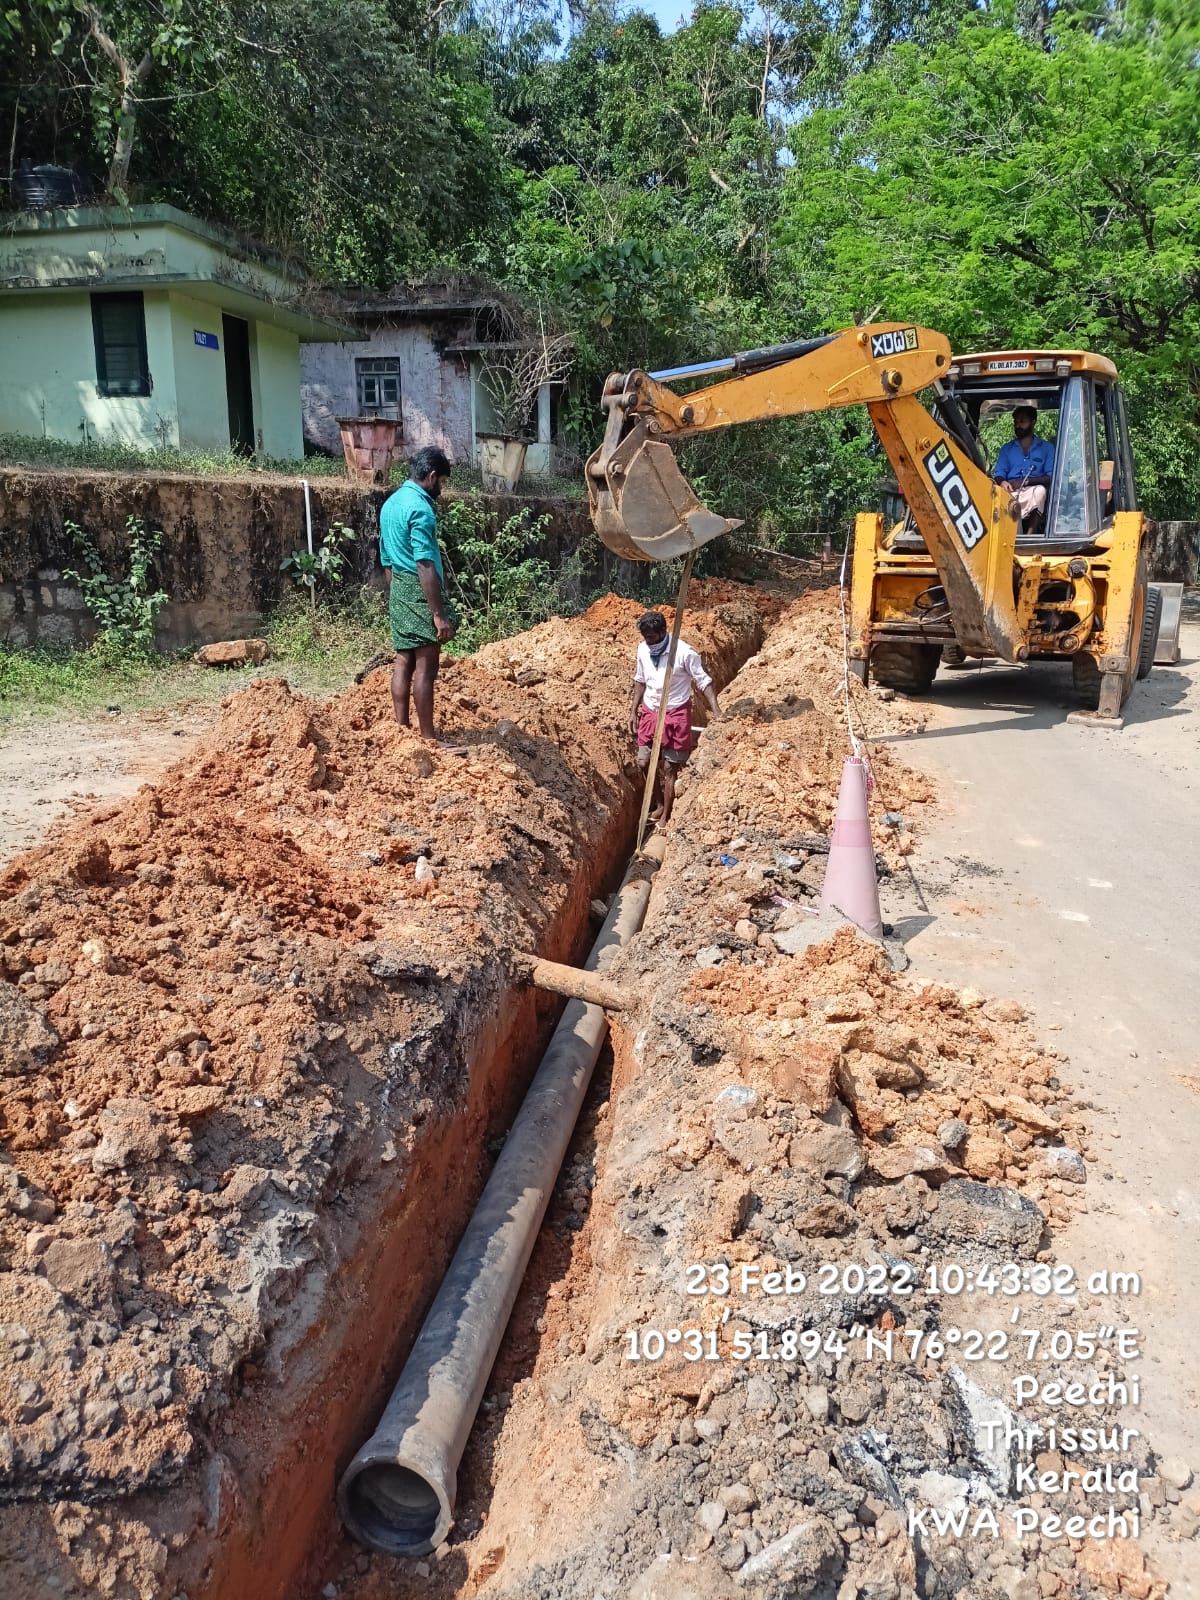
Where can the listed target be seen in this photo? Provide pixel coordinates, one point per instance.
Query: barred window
(119, 327)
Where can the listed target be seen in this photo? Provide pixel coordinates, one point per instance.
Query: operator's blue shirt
(408, 530)
(1012, 462)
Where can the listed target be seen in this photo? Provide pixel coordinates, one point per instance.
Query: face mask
(659, 650)
(435, 489)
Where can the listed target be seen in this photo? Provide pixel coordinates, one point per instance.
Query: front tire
(1085, 678)
(1149, 641)
(910, 668)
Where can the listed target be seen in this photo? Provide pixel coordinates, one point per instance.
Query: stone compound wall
(223, 540)
(48, 610)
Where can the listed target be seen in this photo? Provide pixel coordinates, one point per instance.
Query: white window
(378, 386)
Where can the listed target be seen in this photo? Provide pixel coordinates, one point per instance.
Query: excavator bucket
(643, 508)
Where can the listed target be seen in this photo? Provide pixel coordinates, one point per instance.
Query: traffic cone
(850, 884)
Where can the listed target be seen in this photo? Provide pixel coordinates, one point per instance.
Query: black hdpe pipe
(397, 1495)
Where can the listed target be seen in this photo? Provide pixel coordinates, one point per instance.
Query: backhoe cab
(1079, 572)
(958, 570)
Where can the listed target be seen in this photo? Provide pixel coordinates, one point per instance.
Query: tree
(333, 133)
(355, 133)
(104, 56)
(1010, 192)
(1012, 171)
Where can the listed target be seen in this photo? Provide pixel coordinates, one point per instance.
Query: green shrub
(498, 581)
(324, 567)
(346, 629)
(124, 608)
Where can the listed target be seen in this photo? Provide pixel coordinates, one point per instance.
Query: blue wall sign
(208, 340)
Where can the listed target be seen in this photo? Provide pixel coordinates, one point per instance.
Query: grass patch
(18, 451)
(47, 681)
(317, 651)
(469, 480)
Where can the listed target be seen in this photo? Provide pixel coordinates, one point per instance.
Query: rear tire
(910, 668)
(1150, 624)
(1085, 678)
(952, 656)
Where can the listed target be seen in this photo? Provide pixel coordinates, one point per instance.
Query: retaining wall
(1175, 552)
(223, 541)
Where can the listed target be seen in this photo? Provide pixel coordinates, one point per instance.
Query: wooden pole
(656, 747)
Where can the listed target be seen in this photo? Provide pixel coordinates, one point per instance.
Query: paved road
(1064, 869)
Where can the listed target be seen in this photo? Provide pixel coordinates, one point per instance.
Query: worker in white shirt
(648, 675)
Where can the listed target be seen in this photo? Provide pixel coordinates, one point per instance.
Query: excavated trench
(262, 1030)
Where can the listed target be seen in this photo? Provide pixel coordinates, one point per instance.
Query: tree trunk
(118, 172)
(132, 79)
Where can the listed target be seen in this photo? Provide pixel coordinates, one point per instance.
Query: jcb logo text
(947, 480)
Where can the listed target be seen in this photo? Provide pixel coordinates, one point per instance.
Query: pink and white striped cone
(850, 883)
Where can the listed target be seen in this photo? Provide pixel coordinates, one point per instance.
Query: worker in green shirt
(422, 618)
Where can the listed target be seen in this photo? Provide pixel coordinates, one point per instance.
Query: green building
(147, 327)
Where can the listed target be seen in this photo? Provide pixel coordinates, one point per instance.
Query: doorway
(237, 384)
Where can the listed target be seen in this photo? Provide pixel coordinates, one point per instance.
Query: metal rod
(398, 1493)
(660, 720)
(746, 360)
(700, 370)
(773, 355)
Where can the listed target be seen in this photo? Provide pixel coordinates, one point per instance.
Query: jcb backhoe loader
(960, 570)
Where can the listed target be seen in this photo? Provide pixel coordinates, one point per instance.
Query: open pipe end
(394, 1508)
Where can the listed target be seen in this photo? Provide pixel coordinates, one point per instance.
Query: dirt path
(1063, 868)
(50, 767)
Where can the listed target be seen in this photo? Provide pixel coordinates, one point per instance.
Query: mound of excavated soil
(203, 956)
(835, 1023)
(772, 775)
(548, 660)
(225, 1000)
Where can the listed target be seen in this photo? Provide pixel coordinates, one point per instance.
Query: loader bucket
(643, 508)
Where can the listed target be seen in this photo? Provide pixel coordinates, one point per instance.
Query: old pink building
(419, 363)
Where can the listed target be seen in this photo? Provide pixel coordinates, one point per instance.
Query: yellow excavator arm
(644, 510)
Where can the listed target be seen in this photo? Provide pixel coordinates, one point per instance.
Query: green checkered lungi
(410, 614)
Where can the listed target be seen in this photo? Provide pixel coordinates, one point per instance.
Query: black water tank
(44, 187)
